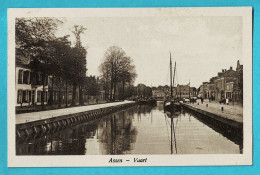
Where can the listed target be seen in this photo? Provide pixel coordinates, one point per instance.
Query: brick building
(228, 84)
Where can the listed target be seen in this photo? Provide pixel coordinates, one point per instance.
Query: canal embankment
(38, 123)
(225, 119)
(231, 115)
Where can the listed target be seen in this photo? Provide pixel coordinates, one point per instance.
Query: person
(201, 100)
(227, 101)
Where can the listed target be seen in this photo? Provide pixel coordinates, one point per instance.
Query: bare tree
(116, 68)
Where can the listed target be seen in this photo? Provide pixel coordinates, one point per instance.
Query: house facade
(28, 86)
(185, 91)
(228, 84)
(160, 94)
(207, 90)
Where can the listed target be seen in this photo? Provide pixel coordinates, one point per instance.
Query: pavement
(232, 112)
(34, 116)
(38, 108)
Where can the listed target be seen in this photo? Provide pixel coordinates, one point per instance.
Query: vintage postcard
(129, 87)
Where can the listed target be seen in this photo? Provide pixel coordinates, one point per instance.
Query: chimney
(223, 70)
(231, 68)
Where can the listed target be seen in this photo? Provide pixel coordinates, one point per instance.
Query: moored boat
(171, 103)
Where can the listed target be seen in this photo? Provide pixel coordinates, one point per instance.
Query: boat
(172, 103)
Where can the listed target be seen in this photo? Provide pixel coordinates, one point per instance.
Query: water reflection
(173, 115)
(118, 133)
(138, 130)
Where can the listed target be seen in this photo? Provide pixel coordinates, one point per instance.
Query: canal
(137, 130)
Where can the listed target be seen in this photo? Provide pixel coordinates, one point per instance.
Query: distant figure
(201, 100)
(227, 101)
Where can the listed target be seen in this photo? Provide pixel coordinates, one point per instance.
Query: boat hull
(172, 106)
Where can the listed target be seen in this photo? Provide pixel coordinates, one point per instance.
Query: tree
(90, 86)
(117, 68)
(127, 73)
(33, 40)
(79, 65)
(32, 33)
(60, 65)
(105, 78)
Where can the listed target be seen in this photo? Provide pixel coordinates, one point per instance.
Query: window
(19, 96)
(39, 78)
(20, 77)
(29, 96)
(25, 99)
(33, 78)
(26, 76)
(45, 96)
(38, 96)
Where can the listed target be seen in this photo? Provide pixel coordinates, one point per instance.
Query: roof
(229, 73)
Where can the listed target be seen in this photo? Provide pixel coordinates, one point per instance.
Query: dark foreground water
(138, 130)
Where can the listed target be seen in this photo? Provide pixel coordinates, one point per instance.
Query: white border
(153, 160)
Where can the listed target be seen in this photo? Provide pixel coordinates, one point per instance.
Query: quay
(39, 123)
(231, 115)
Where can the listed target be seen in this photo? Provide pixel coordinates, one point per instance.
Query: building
(207, 90)
(28, 84)
(158, 94)
(227, 84)
(57, 91)
(185, 91)
(162, 92)
(238, 90)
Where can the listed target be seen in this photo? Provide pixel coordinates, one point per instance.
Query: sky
(200, 46)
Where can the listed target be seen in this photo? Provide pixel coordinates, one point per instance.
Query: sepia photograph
(130, 87)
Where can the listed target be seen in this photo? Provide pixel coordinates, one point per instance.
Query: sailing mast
(174, 72)
(172, 78)
(171, 72)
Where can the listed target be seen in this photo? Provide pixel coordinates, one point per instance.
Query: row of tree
(117, 74)
(65, 65)
(52, 56)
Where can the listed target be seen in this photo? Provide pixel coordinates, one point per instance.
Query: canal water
(137, 130)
